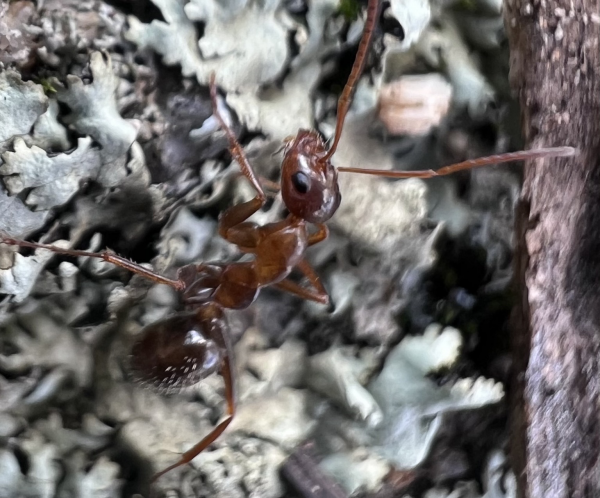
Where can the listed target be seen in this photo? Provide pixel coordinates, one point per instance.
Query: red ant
(187, 347)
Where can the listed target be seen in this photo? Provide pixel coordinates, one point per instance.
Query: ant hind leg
(220, 335)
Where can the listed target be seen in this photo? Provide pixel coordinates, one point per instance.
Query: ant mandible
(183, 349)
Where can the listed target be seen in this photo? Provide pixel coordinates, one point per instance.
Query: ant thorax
(309, 185)
(232, 286)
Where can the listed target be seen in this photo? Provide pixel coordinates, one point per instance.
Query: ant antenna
(357, 69)
(470, 163)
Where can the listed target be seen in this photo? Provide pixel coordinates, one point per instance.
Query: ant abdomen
(177, 352)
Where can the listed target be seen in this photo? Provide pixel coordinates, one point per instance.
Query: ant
(183, 349)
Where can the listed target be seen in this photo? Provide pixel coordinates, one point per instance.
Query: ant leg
(108, 256)
(319, 236)
(236, 215)
(302, 292)
(193, 452)
(314, 279)
(317, 294)
(271, 185)
(235, 148)
(240, 213)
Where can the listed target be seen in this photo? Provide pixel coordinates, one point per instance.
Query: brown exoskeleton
(189, 346)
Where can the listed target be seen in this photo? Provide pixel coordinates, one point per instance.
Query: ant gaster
(182, 350)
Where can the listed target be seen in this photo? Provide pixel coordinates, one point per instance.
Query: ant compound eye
(301, 182)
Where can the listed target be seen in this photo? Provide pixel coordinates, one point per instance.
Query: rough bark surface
(555, 67)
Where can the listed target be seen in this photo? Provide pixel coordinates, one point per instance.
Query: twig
(302, 471)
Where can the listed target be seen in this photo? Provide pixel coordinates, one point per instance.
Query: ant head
(309, 185)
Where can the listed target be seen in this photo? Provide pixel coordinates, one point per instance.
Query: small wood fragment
(412, 105)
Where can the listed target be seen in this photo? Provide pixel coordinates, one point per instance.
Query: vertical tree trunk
(555, 67)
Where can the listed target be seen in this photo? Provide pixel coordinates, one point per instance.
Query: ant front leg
(240, 213)
(235, 148)
(319, 236)
(107, 256)
(317, 294)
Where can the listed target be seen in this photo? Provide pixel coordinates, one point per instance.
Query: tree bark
(555, 67)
